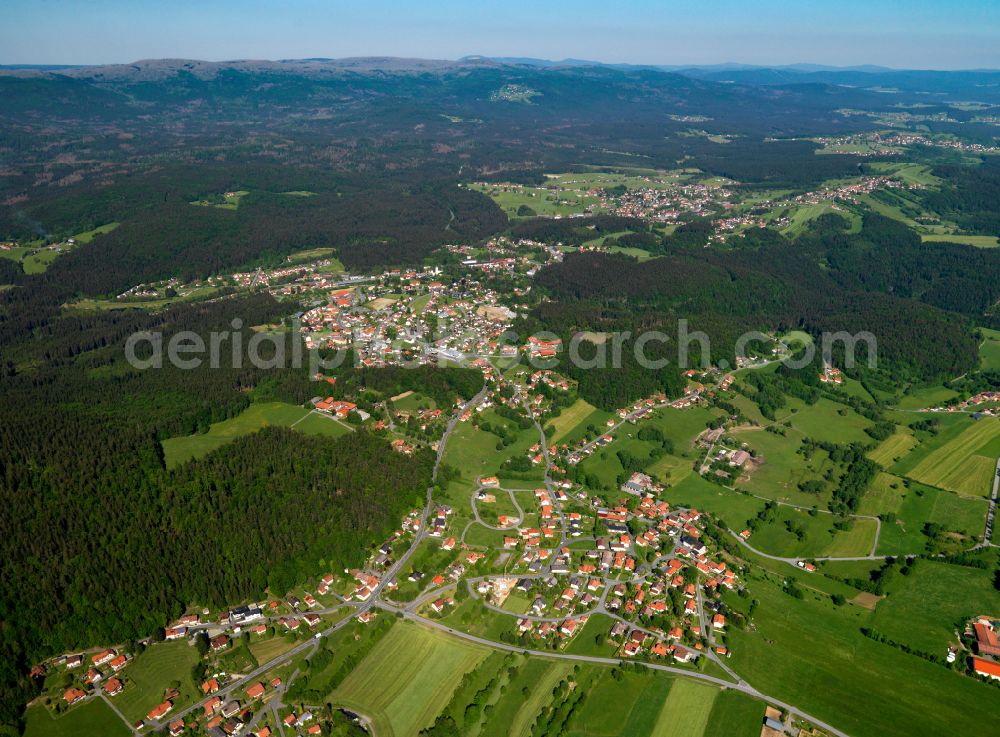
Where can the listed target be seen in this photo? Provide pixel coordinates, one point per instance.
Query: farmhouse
(987, 668)
(986, 638)
(639, 483)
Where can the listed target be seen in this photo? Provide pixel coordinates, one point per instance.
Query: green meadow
(515, 713)
(255, 417)
(578, 412)
(152, 672)
(979, 241)
(913, 505)
(686, 710)
(831, 422)
(91, 719)
(624, 704)
(571, 426)
(893, 448)
(819, 536)
(989, 350)
(924, 608)
(924, 397)
(780, 468)
(813, 654)
(474, 451)
(961, 458)
(407, 678)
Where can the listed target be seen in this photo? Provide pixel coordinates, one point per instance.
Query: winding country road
(408, 612)
(743, 687)
(475, 511)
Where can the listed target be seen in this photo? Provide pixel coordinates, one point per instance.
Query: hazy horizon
(806, 65)
(920, 34)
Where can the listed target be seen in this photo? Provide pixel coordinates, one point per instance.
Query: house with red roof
(159, 711)
(986, 639)
(255, 691)
(105, 656)
(988, 668)
(72, 695)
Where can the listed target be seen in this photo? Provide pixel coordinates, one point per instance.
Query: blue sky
(925, 34)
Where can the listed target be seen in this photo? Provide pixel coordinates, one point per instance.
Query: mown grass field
(514, 716)
(268, 648)
(682, 426)
(317, 424)
(89, 235)
(37, 260)
(192, 295)
(490, 512)
(152, 672)
(926, 397)
(570, 194)
(964, 463)
(569, 418)
(812, 653)
(652, 704)
(989, 350)
(733, 507)
(832, 422)
(979, 241)
(734, 715)
(408, 678)
(909, 172)
(802, 215)
(92, 719)
(893, 448)
(585, 642)
(686, 710)
(597, 418)
(413, 673)
(612, 707)
(253, 418)
(606, 465)
(413, 402)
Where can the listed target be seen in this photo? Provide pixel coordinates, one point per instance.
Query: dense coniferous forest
(917, 299)
(370, 222)
(102, 544)
(969, 195)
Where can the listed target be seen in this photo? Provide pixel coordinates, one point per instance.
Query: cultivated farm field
(406, 680)
(965, 463)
